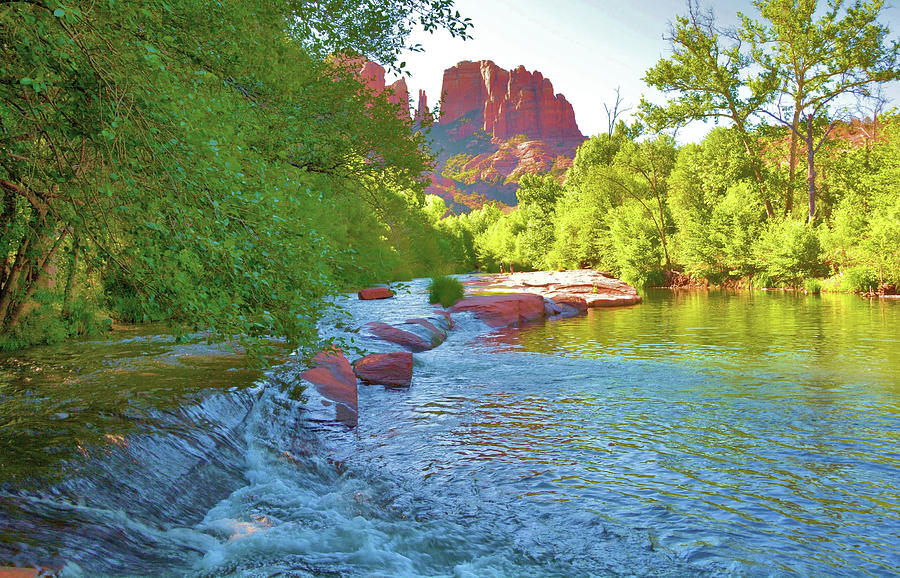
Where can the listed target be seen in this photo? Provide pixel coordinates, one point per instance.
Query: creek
(699, 433)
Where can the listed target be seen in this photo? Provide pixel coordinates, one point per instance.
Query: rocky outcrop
(375, 293)
(539, 295)
(503, 310)
(372, 76)
(332, 376)
(581, 288)
(423, 114)
(391, 369)
(496, 126)
(507, 103)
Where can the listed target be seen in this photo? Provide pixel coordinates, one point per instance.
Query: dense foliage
(217, 166)
(203, 162)
(654, 213)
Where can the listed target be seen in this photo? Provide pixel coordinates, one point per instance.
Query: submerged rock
(334, 379)
(438, 334)
(562, 310)
(392, 369)
(401, 337)
(418, 334)
(375, 293)
(503, 310)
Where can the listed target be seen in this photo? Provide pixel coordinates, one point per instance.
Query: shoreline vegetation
(157, 165)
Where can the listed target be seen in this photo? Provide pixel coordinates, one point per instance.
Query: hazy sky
(586, 48)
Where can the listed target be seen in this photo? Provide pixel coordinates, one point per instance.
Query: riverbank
(853, 285)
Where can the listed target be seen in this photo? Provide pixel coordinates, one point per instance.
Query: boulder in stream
(391, 369)
(333, 377)
(375, 293)
(418, 334)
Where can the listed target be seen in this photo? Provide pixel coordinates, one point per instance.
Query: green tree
(705, 78)
(716, 207)
(812, 63)
(163, 144)
(537, 196)
(643, 178)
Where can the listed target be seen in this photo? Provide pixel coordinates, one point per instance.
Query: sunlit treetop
(376, 29)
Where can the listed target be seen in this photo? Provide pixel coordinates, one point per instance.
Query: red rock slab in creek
(587, 286)
(445, 315)
(375, 293)
(333, 377)
(392, 369)
(403, 338)
(439, 335)
(18, 572)
(503, 310)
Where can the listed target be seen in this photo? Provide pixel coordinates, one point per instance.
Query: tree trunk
(789, 198)
(70, 278)
(6, 219)
(12, 320)
(12, 282)
(662, 230)
(811, 168)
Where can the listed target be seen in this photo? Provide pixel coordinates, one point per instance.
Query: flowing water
(700, 433)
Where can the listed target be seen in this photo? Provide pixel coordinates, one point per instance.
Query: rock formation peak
(372, 76)
(423, 115)
(508, 103)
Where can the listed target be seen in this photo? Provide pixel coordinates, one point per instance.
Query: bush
(444, 290)
(762, 281)
(860, 279)
(813, 286)
(127, 304)
(789, 251)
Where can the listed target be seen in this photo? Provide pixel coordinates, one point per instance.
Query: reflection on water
(60, 400)
(764, 425)
(700, 433)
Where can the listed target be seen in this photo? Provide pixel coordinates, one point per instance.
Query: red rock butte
(372, 76)
(507, 103)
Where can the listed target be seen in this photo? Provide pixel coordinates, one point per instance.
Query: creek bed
(699, 433)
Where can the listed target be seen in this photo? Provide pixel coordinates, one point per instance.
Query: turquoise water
(700, 433)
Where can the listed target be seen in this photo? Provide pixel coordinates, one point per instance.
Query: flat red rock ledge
(13, 572)
(391, 369)
(503, 310)
(375, 293)
(581, 288)
(333, 377)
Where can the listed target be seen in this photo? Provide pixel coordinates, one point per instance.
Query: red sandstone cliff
(495, 126)
(372, 75)
(508, 103)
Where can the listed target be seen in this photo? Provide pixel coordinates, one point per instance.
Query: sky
(586, 48)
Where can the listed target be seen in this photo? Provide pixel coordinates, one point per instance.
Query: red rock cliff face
(372, 75)
(507, 103)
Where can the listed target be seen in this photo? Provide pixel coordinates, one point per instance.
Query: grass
(444, 290)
